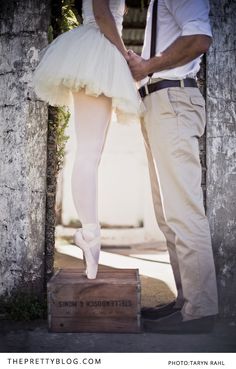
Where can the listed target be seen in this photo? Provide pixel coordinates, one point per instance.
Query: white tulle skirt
(84, 58)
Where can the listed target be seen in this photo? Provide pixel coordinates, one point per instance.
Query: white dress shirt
(177, 18)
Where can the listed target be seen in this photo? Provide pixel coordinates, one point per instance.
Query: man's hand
(138, 66)
(183, 50)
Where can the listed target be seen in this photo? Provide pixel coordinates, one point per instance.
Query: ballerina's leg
(92, 116)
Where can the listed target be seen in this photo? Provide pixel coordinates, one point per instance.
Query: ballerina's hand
(126, 55)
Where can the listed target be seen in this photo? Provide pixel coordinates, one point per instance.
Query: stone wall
(23, 146)
(221, 153)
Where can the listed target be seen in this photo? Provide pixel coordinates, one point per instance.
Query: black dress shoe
(158, 312)
(174, 324)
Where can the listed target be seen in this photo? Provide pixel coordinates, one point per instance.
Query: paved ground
(122, 249)
(34, 337)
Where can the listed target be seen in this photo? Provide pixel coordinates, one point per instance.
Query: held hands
(138, 66)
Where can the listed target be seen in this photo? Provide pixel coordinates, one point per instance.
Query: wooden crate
(110, 303)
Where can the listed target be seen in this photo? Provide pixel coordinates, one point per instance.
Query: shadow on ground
(34, 337)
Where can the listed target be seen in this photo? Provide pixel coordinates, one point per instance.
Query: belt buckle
(181, 83)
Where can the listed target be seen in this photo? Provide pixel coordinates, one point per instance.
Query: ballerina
(87, 68)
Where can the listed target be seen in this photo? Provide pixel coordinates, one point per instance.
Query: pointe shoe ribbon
(91, 251)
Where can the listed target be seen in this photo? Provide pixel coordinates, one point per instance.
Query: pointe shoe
(90, 246)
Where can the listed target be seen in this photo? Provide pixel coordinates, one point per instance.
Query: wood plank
(92, 325)
(112, 299)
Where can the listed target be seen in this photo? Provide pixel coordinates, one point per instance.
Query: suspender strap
(154, 31)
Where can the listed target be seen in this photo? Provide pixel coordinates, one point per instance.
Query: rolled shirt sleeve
(192, 16)
(177, 18)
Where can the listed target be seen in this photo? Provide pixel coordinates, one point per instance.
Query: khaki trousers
(173, 122)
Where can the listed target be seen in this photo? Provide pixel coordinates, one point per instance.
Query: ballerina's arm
(107, 25)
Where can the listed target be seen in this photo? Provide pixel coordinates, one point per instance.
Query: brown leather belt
(166, 83)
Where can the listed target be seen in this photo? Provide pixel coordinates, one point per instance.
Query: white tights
(92, 116)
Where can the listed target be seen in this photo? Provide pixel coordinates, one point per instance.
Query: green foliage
(63, 117)
(58, 121)
(50, 34)
(64, 18)
(23, 306)
(69, 17)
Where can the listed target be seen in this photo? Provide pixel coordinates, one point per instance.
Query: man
(172, 124)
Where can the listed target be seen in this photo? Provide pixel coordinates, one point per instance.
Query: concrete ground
(34, 337)
(121, 249)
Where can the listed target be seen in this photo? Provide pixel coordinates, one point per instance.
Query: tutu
(84, 58)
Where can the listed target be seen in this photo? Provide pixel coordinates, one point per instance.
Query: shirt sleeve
(191, 16)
